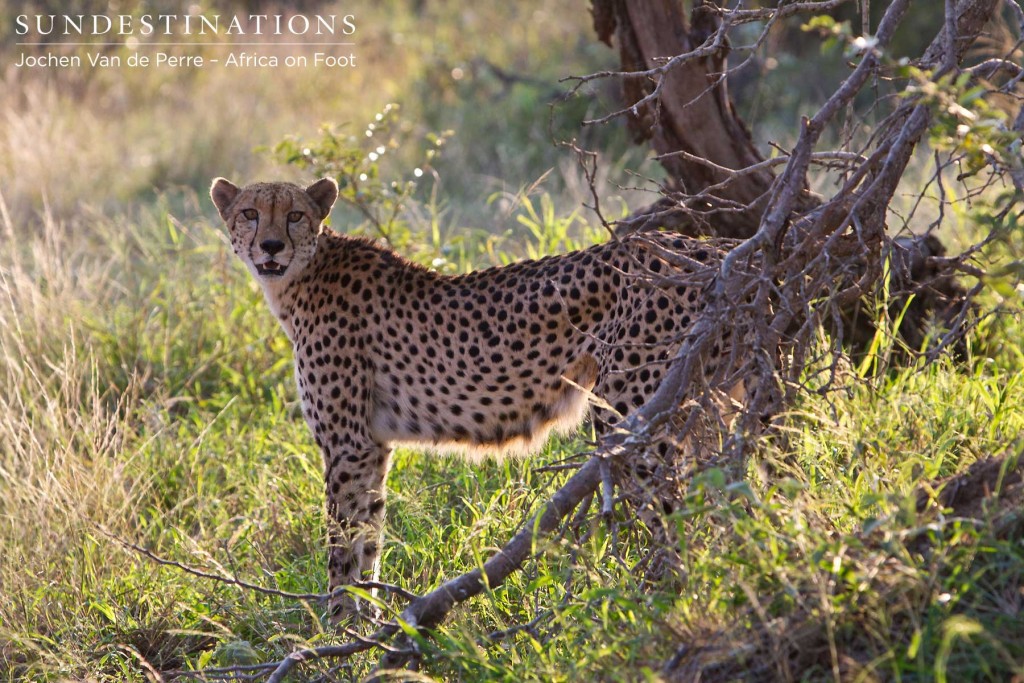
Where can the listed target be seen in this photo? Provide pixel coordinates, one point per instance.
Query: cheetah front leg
(355, 480)
(337, 410)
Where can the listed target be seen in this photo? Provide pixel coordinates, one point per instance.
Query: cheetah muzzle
(270, 269)
(388, 352)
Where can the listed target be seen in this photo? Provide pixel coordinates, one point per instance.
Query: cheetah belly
(490, 416)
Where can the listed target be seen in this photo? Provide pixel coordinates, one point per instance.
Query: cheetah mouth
(271, 269)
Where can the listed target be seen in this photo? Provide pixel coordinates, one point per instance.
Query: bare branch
(377, 640)
(234, 581)
(949, 37)
(743, 16)
(710, 47)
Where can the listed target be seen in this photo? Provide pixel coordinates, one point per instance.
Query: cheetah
(388, 352)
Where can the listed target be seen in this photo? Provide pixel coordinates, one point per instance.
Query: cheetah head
(274, 226)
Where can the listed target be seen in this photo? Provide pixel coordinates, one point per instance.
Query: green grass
(146, 396)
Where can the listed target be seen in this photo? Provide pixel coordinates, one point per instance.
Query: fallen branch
(234, 581)
(336, 651)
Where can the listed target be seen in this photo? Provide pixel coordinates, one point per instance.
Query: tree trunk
(684, 110)
(691, 116)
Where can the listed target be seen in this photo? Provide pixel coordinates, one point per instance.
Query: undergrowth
(157, 409)
(146, 398)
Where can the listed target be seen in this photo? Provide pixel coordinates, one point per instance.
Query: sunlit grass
(146, 396)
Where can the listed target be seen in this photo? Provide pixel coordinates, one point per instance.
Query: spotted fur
(388, 352)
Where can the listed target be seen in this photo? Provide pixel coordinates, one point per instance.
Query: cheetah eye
(250, 214)
(295, 217)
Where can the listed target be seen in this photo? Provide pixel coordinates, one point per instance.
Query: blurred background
(487, 78)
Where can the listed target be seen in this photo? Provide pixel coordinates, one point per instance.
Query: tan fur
(388, 352)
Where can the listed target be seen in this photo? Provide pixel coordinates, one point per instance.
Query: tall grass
(146, 397)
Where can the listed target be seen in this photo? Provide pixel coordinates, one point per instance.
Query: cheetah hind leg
(657, 482)
(653, 487)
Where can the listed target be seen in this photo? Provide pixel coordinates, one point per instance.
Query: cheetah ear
(323, 193)
(223, 193)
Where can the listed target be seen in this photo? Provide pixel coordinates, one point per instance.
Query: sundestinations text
(183, 24)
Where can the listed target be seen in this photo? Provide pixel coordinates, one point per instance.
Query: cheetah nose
(271, 246)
